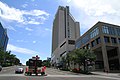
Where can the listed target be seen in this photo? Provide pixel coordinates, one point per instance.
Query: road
(52, 74)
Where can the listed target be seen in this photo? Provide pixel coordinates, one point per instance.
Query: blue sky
(29, 22)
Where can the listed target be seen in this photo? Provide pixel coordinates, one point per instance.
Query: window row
(113, 39)
(94, 33)
(111, 30)
(93, 43)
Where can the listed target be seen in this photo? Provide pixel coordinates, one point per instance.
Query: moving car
(0, 67)
(19, 70)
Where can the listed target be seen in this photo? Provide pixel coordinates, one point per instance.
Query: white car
(19, 70)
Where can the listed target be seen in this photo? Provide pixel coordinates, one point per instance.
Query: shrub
(76, 70)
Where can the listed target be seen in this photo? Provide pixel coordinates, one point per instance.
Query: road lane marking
(82, 76)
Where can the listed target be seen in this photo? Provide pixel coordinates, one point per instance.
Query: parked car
(0, 67)
(19, 70)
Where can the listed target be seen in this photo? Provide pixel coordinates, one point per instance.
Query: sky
(29, 22)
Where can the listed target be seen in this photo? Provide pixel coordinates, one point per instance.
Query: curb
(106, 74)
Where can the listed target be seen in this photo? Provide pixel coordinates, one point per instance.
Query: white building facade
(64, 33)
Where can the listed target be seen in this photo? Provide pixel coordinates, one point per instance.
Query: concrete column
(104, 54)
(105, 58)
(118, 51)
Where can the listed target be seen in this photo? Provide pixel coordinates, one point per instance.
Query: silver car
(19, 70)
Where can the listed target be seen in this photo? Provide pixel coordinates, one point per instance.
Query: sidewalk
(107, 74)
(5, 68)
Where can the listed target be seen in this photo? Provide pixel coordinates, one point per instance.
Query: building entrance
(113, 59)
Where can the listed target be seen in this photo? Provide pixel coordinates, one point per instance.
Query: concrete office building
(3, 38)
(65, 31)
(104, 39)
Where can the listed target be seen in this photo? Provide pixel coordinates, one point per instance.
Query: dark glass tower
(3, 38)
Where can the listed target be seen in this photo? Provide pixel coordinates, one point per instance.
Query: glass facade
(98, 40)
(78, 44)
(85, 39)
(3, 38)
(1, 33)
(105, 29)
(93, 43)
(94, 32)
(111, 30)
(119, 40)
(118, 31)
(106, 39)
(82, 41)
(113, 40)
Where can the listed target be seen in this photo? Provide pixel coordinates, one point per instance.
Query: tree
(82, 57)
(27, 63)
(17, 61)
(8, 59)
(1, 57)
(72, 57)
(46, 63)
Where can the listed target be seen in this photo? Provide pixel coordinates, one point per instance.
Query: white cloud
(11, 28)
(47, 29)
(5, 25)
(89, 12)
(69, 1)
(21, 50)
(21, 41)
(95, 7)
(24, 5)
(22, 16)
(28, 29)
(34, 42)
(32, 0)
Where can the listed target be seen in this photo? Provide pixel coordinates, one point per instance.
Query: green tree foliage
(46, 63)
(81, 57)
(8, 59)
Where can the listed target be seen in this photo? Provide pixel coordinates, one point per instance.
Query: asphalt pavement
(52, 74)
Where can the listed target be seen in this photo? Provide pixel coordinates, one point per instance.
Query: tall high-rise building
(65, 31)
(3, 38)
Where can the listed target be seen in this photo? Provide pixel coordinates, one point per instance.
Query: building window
(118, 31)
(106, 39)
(119, 40)
(111, 30)
(85, 39)
(93, 43)
(62, 44)
(62, 53)
(78, 44)
(98, 40)
(69, 32)
(113, 40)
(108, 30)
(88, 46)
(94, 33)
(71, 42)
(105, 29)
